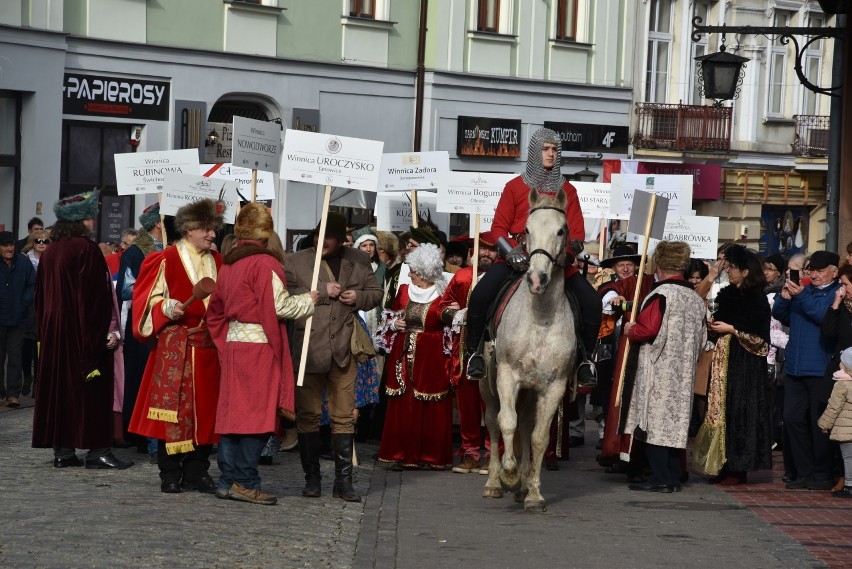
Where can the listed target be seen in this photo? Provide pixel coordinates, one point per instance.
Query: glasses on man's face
(42, 241)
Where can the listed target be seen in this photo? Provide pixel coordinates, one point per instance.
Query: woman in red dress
(418, 425)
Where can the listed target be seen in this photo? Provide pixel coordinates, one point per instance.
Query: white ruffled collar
(422, 295)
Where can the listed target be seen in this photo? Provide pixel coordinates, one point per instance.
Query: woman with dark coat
(735, 436)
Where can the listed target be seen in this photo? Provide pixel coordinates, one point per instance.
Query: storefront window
(10, 159)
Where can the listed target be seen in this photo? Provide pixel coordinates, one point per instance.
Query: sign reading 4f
(607, 140)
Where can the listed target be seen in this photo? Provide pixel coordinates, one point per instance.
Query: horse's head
(546, 237)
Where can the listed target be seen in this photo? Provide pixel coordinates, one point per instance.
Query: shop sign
(578, 137)
(471, 192)
(124, 97)
(489, 137)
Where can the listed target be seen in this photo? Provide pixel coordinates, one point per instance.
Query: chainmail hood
(536, 176)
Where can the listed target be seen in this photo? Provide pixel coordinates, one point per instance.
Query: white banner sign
(677, 189)
(145, 172)
(183, 189)
(700, 232)
(485, 222)
(412, 170)
(471, 192)
(316, 158)
(242, 176)
(594, 198)
(256, 145)
(393, 211)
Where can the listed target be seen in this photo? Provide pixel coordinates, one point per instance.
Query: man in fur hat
(74, 310)
(346, 283)
(246, 321)
(544, 176)
(149, 239)
(670, 332)
(180, 388)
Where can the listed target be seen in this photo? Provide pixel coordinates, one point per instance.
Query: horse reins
(550, 257)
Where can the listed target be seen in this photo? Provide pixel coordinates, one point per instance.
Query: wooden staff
(253, 185)
(475, 259)
(314, 280)
(414, 215)
(163, 221)
(636, 293)
(602, 237)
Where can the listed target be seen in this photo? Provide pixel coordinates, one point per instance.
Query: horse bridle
(550, 257)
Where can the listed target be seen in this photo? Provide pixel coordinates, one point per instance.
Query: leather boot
(309, 450)
(475, 363)
(342, 443)
(587, 372)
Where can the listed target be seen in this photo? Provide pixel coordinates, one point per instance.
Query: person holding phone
(803, 307)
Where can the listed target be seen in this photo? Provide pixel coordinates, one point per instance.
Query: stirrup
(587, 374)
(475, 366)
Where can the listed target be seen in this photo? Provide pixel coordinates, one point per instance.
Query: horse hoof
(537, 507)
(511, 482)
(490, 492)
(520, 497)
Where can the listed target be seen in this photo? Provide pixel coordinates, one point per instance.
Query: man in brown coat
(346, 284)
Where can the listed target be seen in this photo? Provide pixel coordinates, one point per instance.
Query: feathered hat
(150, 216)
(203, 214)
(423, 235)
(78, 207)
(253, 223)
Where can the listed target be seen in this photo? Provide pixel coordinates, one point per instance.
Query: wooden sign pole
(475, 259)
(253, 185)
(303, 360)
(602, 236)
(640, 277)
(414, 208)
(163, 222)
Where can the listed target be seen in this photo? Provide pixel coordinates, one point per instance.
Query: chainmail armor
(535, 175)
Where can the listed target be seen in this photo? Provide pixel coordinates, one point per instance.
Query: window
(566, 20)
(488, 19)
(812, 65)
(699, 48)
(777, 68)
(659, 51)
(362, 8)
(10, 159)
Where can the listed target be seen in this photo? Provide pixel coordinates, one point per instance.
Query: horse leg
(492, 489)
(545, 408)
(507, 418)
(526, 422)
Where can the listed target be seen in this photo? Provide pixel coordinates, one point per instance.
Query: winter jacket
(837, 326)
(16, 291)
(838, 414)
(808, 351)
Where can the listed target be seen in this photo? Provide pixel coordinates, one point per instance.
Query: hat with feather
(77, 207)
(150, 216)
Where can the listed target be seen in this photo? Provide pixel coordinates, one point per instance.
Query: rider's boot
(475, 363)
(587, 373)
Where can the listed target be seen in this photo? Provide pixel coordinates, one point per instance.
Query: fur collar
(841, 375)
(245, 249)
(145, 241)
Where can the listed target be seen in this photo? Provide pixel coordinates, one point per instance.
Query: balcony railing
(811, 135)
(683, 127)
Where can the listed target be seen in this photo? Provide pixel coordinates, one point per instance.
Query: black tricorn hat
(622, 253)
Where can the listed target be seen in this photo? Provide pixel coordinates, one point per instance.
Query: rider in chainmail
(535, 175)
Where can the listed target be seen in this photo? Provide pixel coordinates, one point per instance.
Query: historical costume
(346, 284)
(74, 307)
(542, 174)
(246, 321)
(736, 433)
(670, 333)
(418, 424)
(180, 388)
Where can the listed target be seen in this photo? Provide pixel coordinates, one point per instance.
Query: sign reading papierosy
(700, 232)
(471, 192)
(265, 180)
(256, 145)
(393, 211)
(145, 172)
(594, 198)
(676, 189)
(412, 170)
(183, 189)
(317, 158)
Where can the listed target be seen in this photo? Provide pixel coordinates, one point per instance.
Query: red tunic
(458, 291)
(183, 354)
(418, 424)
(256, 378)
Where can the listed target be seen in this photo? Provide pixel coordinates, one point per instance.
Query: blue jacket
(16, 290)
(808, 351)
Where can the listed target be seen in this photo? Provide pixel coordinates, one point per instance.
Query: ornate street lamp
(720, 75)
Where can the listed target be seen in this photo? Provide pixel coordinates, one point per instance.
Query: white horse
(534, 352)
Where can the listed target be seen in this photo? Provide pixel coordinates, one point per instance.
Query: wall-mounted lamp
(212, 138)
(584, 175)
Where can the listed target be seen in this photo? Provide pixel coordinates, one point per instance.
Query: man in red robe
(180, 388)
(468, 399)
(74, 303)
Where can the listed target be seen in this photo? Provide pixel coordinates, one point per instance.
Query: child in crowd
(837, 418)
